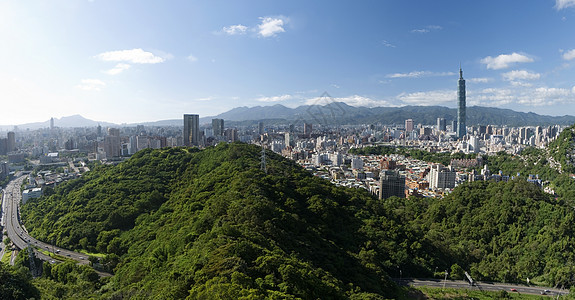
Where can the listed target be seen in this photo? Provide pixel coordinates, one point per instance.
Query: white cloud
(427, 29)
(505, 60)
(387, 44)
(275, 98)
(354, 100)
(520, 75)
(119, 68)
(561, 4)
(235, 29)
(521, 83)
(192, 58)
(271, 26)
(521, 94)
(136, 56)
(420, 30)
(491, 97)
(419, 74)
(428, 98)
(545, 96)
(480, 80)
(569, 55)
(91, 85)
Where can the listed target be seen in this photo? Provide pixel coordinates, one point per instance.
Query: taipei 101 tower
(461, 129)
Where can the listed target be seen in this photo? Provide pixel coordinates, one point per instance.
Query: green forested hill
(177, 223)
(182, 223)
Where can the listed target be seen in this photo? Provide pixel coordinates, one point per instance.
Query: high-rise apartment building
(441, 177)
(218, 127)
(461, 125)
(191, 130)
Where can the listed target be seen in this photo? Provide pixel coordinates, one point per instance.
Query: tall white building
(441, 177)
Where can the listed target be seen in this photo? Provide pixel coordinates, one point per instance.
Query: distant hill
(335, 113)
(65, 122)
(343, 114)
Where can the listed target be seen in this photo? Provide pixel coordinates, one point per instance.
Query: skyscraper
(307, 129)
(409, 125)
(218, 127)
(461, 129)
(441, 124)
(11, 143)
(191, 130)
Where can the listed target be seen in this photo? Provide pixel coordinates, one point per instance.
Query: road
(483, 286)
(20, 237)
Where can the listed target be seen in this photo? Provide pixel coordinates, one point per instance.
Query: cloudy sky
(139, 60)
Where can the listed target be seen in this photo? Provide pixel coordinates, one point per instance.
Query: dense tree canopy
(177, 223)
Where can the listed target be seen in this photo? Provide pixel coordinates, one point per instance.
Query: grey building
(218, 127)
(461, 124)
(391, 183)
(191, 130)
(441, 124)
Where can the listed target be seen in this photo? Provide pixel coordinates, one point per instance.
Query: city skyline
(145, 61)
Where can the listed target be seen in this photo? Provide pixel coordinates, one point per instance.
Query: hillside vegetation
(183, 223)
(177, 223)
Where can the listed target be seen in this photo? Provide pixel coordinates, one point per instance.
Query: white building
(441, 177)
(31, 193)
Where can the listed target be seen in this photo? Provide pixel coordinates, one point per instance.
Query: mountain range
(336, 113)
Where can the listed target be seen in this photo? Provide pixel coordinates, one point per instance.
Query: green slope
(177, 223)
(183, 223)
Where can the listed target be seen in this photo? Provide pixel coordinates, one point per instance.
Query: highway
(18, 234)
(482, 286)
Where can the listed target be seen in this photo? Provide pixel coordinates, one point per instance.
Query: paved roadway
(483, 286)
(17, 233)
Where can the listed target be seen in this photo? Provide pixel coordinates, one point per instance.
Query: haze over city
(136, 61)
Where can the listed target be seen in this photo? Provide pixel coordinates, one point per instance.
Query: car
(513, 290)
(81, 257)
(58, 251)
(543, 293)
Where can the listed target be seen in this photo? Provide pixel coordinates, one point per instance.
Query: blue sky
(132, 61)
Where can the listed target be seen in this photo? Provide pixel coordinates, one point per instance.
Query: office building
(425, 131)
(191, 130)
(391, 183)
(441, 124)
(218, 127)
(461, 129)
(11, 143)
(409, 125)
(307, 129)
